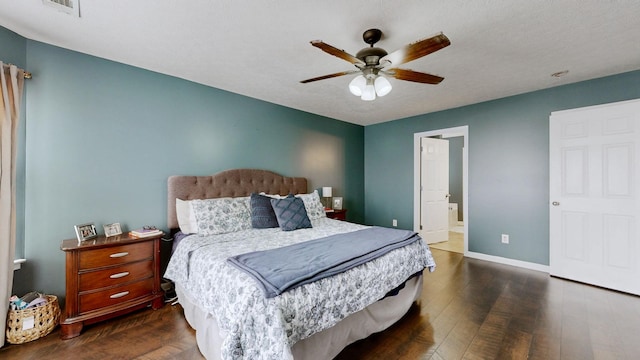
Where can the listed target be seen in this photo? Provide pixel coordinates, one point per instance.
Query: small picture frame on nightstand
(337, 203)
(112, 229)
(85, 231)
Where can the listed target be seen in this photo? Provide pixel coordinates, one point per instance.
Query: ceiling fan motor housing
(371, 55)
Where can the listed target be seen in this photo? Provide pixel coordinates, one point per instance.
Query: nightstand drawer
(116, 295)
(116, 275)
(116, 255)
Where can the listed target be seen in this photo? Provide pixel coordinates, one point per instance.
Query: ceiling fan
(372, 62)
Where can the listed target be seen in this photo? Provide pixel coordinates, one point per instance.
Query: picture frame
(85, 231)
(337, 203)
(112, 229)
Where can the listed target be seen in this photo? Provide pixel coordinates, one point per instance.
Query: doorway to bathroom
(440, 207)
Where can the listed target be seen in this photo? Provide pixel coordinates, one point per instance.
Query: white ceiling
(261, 48)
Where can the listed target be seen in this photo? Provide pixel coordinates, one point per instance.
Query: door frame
(462, 131)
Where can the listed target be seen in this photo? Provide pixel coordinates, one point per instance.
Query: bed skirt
(320, 346)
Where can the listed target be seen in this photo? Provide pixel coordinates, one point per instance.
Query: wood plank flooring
(469, 309)
(454, 244)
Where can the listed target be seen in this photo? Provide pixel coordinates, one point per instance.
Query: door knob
(555, 203)
(448, 195)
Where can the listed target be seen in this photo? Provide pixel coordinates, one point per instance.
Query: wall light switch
(505, 238)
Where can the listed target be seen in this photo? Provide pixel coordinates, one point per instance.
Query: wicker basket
(45, 319)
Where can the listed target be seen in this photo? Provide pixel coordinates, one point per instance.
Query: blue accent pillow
(291, 213)
(262, 215)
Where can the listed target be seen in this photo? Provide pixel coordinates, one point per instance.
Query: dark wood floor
(470, 309)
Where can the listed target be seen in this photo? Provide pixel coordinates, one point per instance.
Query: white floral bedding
(261, 328)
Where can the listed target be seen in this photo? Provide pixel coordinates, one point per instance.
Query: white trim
(507, 261)
(593, 107)
(17, 263)
(445, 133)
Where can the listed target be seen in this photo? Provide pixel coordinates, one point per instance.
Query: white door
(594, 210)
(434, 215)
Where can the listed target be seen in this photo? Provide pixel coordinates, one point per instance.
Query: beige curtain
(12, 81)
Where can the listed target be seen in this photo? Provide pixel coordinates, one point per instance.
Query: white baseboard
(17, 263)
(507, 261)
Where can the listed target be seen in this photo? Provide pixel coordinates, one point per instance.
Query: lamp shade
(382, 85)
(369, 93)
(357, 85)
(326, 191)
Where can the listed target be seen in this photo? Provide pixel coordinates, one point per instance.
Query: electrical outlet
(395, 222)
(505, 238)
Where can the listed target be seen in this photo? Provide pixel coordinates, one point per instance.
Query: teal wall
(13, 50)
(102, 138)
(456, 145)
(508, 164)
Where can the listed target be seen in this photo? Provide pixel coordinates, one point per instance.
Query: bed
(230, 311)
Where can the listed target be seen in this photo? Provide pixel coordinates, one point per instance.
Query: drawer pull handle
(117, 255)
(119, 275)
(119, 295)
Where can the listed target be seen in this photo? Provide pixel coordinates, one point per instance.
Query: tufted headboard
(229, 183)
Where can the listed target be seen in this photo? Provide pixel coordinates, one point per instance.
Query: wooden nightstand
(337, 214)
(108, 277)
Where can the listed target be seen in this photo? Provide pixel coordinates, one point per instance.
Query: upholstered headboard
(229, 183)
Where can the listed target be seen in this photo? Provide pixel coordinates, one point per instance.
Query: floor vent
(71, 7)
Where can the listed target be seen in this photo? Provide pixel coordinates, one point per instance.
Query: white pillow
(186, 217)
(222, 215)
(313, 205)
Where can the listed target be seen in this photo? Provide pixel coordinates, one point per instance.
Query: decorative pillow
(222, 215)
(313, 205)
(186, 218)
(291, 213)
(262, 215)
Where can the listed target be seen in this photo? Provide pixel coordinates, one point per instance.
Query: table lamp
(327, 193)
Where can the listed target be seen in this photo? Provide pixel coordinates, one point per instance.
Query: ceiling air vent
(71, 7)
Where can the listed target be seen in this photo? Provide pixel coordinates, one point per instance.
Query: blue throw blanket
(281, 269)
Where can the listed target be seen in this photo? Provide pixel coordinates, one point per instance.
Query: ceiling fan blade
(330, 76)
(336, 52)
(410, 75)
(417, 50)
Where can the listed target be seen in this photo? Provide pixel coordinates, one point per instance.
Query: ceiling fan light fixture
(369, 92)
(357, 85)
(382, 86)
